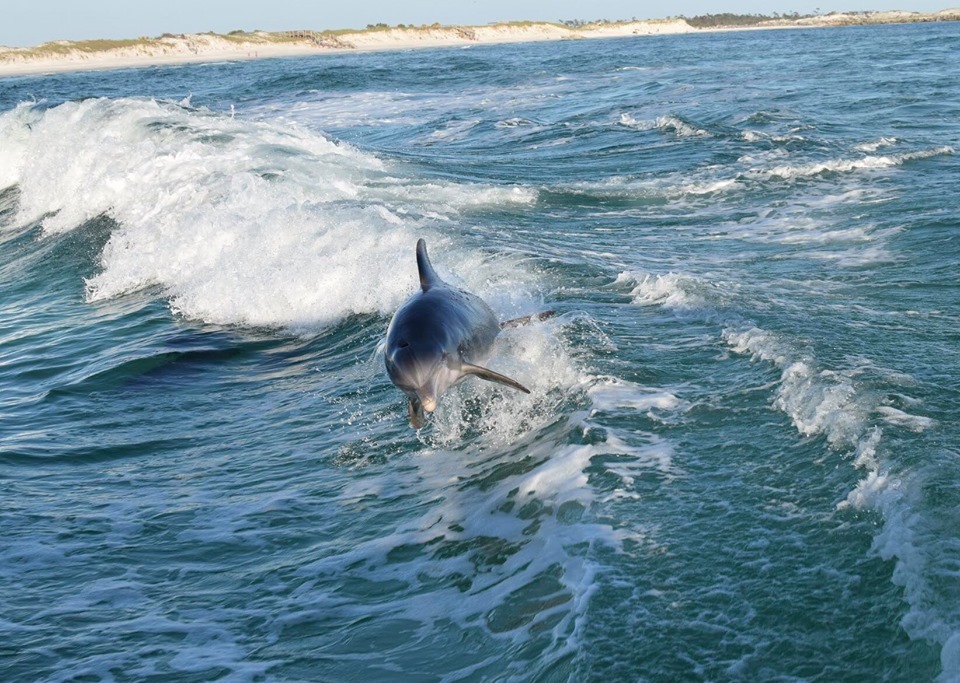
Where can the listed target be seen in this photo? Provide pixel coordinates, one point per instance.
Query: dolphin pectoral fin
(415, 413)
(525, 320)
(491, 376)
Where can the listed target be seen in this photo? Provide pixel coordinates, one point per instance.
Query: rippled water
(738, 461)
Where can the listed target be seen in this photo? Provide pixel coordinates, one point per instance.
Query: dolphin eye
(403, 344)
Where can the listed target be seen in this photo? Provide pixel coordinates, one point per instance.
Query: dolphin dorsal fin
(491, 376)
(428, 277)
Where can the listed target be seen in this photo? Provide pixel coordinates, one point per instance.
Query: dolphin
(440, 336)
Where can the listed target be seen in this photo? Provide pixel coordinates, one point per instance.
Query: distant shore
(62, 56)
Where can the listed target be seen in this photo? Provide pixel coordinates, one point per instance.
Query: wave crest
(238, 222)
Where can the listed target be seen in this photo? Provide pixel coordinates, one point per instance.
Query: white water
(250, 224)
(238, 222)
(830, 403)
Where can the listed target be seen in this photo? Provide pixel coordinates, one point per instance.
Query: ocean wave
(516, 122)
(876, 144)
(755, 170)
(823, 402)
(15, 137)
(249, 223)
(809, 170)
(667, 124)
(255, 224)
(506, 539)
(676, 291)
(451, 131)
(817, 401)
(900, 418)
(652, 189)
(834, 405)
(758, 136)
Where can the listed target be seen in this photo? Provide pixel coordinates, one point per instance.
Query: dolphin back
(428, 276)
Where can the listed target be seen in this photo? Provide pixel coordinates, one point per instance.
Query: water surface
(739, 457)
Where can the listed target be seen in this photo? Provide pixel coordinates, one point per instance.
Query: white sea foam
(238, 222)
(492, 550)
(330, 109)
(451, 131)
(671, 186)
(505, 538)
(618, 393)
(681, 128)
(817, 401)
(876, 144)
(253, 223)
(670, 289)
(676, 291)
(814, 233)
(516, 122)
(757, 136)
(900, 418)
(832, 404)
(797, 171)
(14, 142)
(708, 186)
(630, 122)
(856, 258)
(818, 235)
(823, 402)
(667, 124)
(762, 157)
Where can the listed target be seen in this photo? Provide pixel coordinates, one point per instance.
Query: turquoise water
(739, 458)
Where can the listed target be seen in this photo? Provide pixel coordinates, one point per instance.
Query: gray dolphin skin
(438, 338)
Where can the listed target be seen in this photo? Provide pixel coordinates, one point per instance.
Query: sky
(26, 23)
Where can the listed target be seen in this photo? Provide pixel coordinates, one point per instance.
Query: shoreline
(70, 56)
(199, 48)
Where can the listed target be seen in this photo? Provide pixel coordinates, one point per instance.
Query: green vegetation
(101, 45)
(285, 37)
(728, 19)
(597, 23)
(584, 24)
(526, 24)
(60, 48)
(375, 28)
(63, 47)
(240, 37)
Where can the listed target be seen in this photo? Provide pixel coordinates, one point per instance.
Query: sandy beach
(67, 56)
(62, 56)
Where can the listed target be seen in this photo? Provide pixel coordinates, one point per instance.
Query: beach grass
(63, 47)
(528, 24)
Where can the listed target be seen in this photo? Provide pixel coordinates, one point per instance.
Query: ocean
(739, 460)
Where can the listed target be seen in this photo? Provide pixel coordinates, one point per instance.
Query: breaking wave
(237, 222)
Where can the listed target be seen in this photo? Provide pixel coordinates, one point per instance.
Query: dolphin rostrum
(438, 338)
